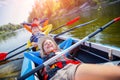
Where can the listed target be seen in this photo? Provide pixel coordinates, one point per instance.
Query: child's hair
(40, 44)
(35, 19)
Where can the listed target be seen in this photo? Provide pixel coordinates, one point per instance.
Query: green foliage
(53, 8)
(9, 28)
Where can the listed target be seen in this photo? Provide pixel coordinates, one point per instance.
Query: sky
(15, 11)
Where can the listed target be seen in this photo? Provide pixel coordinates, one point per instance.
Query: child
(37, 31)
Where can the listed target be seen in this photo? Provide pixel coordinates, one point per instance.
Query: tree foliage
(9, 27)
(48, 8)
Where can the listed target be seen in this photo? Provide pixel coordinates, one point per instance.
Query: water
(10, 41)
(104, 13)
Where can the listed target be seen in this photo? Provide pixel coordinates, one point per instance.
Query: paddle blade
(28, 28)
(45, 23)
(117, 19)
(3, 55)
(73, 21)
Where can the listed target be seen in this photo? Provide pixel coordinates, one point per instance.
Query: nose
(49, 43)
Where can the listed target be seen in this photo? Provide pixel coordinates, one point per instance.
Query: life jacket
(34, 25)
(34, 38)
(50, 70)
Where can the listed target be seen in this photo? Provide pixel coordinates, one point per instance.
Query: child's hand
(34, 44)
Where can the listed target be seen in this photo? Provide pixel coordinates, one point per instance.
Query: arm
(97, 72)
(65, 44)
(27, 27)
(34, 57)
(47, 29)
(45, 23)
(43, 29)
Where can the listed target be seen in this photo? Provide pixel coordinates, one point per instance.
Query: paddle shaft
(78, 26)
(68, 23)
(13, 51)
(15, 54)
(17, 48)
(66, 50)
(57, 28)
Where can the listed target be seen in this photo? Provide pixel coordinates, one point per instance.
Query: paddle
(15, 54)
(57, 36)
(2, 55)
(68, 49)
(67, 24)
(78, 26)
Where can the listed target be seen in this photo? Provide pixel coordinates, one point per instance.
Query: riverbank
(9, 28)
(82, 8)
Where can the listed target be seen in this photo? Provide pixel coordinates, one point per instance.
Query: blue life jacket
(34, 38)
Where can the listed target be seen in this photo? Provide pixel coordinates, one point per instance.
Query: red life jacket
(57, 66)
(34, 25)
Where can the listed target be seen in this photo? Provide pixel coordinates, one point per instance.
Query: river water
(102, 12)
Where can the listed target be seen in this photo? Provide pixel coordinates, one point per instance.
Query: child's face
(35, 30)
(36, 22)
(49, 46)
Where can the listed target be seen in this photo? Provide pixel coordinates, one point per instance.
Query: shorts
(66, 73)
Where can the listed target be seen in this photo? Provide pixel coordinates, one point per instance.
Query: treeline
(53, 8)
(9, 28)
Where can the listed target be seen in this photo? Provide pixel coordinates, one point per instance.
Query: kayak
(86, 52)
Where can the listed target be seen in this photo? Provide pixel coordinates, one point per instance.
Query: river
(103, 13)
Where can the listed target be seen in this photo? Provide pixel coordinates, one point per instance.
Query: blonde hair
(40, 44)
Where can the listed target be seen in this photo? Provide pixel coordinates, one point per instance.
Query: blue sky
(15, 11)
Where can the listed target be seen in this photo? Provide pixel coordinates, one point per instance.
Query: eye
(49, 42)
(46, 43)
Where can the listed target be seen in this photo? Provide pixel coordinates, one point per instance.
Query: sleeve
(44, 28)
(65, 44)
(34, 56)
(48, 29)
(45, 23)
(28, 28)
